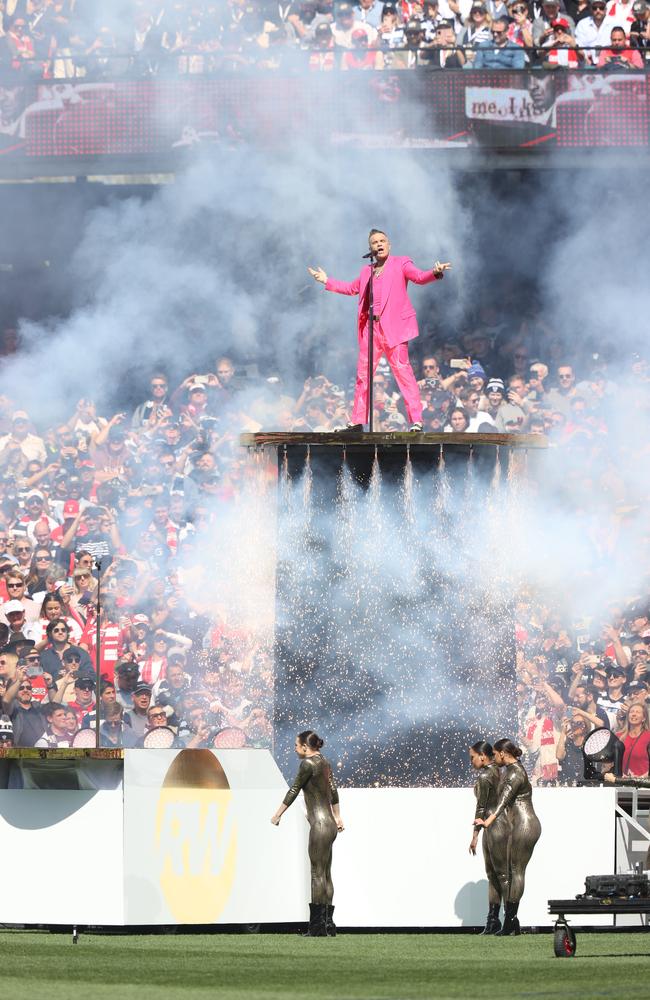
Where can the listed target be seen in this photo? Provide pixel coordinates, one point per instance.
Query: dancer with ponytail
(516, 802)
(316, 782)
(495, 838)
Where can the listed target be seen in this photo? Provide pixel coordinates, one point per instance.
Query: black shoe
(350, 429)
(317, 920)
(329, 921)
(511, 926)
(492, 924)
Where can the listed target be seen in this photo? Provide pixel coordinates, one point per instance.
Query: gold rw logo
(196, 837)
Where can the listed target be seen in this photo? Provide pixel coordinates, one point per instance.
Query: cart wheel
(564, 941)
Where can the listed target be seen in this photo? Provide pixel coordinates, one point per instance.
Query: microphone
(369, 256)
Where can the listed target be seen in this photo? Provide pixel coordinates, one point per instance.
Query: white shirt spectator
(32, 447)
(619, 15)
(590, 36)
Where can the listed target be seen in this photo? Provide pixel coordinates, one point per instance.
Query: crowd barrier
(184, 837)
(390, 110)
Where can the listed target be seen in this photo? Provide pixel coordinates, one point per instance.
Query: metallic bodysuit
(516, 802)
(495, 838)
(317, 783)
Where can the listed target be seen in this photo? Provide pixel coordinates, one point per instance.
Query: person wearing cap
(543, 33)
(390, 34)
(360, 56)
(59, 654)
(76, 690)
(345, 24)
(478, 28)
(20, 440)
(445, 53)
(127, 673)
(395, 322)
(137, 716)
(321, 53)
(619, 54)
(565, 51)
(640, 27)
(413, 54)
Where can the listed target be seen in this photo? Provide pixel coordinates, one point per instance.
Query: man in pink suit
(394, 322)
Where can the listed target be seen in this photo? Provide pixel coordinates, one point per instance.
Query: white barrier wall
(403, 859)
(188, 839)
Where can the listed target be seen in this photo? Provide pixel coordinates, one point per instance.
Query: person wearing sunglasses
(543, 32)
(499, 52)
(26, 714)
(59, 655)
(520, 29)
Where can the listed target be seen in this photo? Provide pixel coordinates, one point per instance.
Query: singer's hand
(318, 274)
(439, 269)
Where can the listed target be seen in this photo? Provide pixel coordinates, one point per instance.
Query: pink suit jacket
(392, 304)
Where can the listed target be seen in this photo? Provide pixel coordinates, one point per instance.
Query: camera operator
(619, 56)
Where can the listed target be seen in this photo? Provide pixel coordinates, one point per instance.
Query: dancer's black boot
(329, 922)
(493, 924)
(511, 926)
(317, 920)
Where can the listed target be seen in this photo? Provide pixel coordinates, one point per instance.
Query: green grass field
(363, 967)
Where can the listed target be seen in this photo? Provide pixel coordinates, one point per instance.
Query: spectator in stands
(592, 32)
(360, 56)
(413, 54)
(369, 12)
(573, 733)
(635, 736)
(619, 55)
(21, 441)
(345, 24)
(391, 32)
(136, 716)
(56, 733)
(543, 31)
(639, 29)
(500, 53)
(27, 716)
(445, 53)
(520, 29)
(478, 28)
(620, 14)
(113, 732)
(565, 51)
(613, 698)
(16, 591)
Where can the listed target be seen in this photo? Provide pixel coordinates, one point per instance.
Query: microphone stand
(371, 337)
(98, 608)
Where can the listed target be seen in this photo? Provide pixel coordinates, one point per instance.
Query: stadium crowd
(142, 491)
(95, 39)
